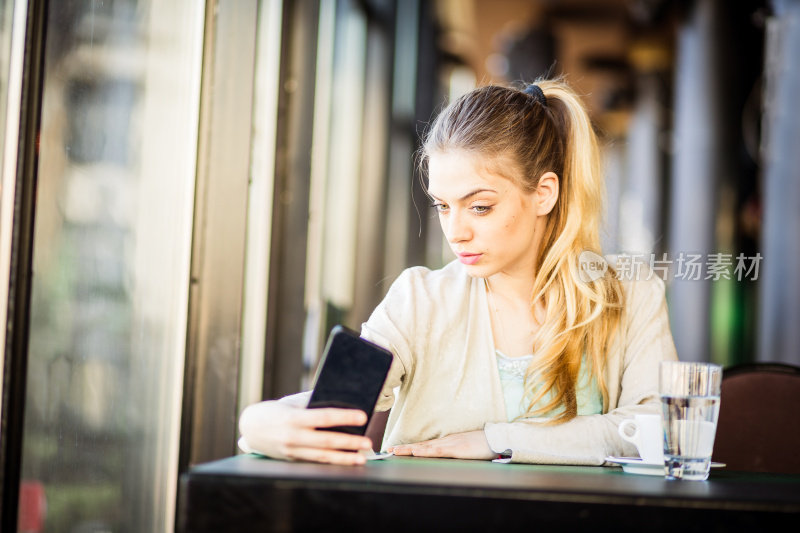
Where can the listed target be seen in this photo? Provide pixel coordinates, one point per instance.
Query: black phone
(350, 375)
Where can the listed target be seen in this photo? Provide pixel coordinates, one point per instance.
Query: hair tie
(536, 91)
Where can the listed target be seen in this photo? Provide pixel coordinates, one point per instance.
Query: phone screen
(351, 375)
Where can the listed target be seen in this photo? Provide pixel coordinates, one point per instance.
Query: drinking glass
(690, 407)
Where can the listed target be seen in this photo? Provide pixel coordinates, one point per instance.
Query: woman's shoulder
(640, 284)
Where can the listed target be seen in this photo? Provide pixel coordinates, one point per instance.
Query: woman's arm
(584, 440)
(285, 429)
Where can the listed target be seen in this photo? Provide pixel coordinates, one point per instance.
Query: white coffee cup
(647, 434)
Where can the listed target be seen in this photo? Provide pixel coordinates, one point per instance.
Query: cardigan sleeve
(391, 326)
(588, 440)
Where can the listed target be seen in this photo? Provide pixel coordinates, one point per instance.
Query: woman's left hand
(469, 445)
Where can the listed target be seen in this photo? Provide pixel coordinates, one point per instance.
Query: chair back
(759, 419)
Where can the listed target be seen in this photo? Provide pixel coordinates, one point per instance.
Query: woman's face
(490, 223)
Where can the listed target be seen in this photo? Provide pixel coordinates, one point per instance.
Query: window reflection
(12, 50)
(6, 179)
(111, 262)
(6, 20)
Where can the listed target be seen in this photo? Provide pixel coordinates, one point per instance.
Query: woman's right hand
(283, 431)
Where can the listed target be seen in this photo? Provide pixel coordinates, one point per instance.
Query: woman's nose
(455, 228)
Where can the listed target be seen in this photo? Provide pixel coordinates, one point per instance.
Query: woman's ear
(546, 193)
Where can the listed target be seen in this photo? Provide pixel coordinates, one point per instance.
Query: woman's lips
(469, 259)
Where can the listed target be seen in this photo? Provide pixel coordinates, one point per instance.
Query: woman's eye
(439, 207)
(481, 209)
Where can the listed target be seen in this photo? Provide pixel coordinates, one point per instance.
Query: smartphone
(351, 375)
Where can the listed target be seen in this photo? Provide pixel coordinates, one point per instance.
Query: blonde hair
(538, 135)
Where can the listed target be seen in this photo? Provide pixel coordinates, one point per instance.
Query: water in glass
(689, 426)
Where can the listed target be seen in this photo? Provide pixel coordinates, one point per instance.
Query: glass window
(335, 178)
(344, 155)
(111, 262)
(259, 209)
(12, 35)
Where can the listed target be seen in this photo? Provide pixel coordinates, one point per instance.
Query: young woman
(509, 349)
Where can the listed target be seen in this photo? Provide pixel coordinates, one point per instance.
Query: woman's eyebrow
(466, 196)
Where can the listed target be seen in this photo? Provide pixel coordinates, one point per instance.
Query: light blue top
(512, 378)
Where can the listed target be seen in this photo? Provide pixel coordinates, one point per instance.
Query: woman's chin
(478, 271)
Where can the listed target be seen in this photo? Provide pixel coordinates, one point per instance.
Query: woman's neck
(513, 289)
(511, 318)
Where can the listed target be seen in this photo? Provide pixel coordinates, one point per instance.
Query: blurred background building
(194, 193)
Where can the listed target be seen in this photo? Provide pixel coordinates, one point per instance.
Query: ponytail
(581, 317)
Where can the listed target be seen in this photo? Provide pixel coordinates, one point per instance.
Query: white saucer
(634, 465)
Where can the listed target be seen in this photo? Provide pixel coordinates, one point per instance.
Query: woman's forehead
(456, 172)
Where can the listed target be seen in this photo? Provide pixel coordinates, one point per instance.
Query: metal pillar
(778, 332)
(639, 214)
(695, 171)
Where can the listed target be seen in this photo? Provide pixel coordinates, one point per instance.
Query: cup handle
(623, 428)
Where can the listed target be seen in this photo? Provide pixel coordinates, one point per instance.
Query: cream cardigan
(444, 378)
